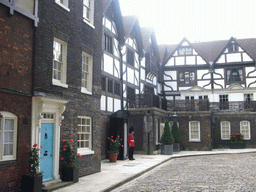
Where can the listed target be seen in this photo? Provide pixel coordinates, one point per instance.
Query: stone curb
(164, 161)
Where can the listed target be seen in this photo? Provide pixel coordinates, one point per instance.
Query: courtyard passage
(227, 172)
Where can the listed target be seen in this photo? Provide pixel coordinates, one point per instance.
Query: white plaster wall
(124, 90)
(180, 60)
(219, 71)
(221, 59)
(117, 68)
(143, 62)
(250, 69)
(136, 80)
(190, 60)
(27, 5)
(172, 84)
(116, 52)
(170, 62)
(173, 74)
(117, 104)
(200, 74)
(246, 57)
(203, 83)
(236, 97)
(103, 102)
(108, 24)
(251, 80)
(234, 57)
(108, 64)
(154, 80)
(110, 104)
(136, 63)
(142, 74)
(141, 88)
(200, 60)
(220, 82)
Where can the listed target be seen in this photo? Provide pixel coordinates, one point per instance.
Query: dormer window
(232, 47)
(185, 51)
(234, 75)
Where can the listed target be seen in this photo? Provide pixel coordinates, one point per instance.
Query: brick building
(66, 83)
(17, 29)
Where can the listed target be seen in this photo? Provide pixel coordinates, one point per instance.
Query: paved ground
(226, 172)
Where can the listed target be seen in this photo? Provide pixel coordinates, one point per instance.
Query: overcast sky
(197, 20)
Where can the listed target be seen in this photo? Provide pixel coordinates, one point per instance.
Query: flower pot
(236, 145)
(70, 174)
(112, 157)
(176, 147)
(166, 149)
(31, 184)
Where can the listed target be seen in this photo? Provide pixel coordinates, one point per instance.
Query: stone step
(54, 185)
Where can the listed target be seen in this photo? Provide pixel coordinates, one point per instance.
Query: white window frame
(249, 129)
(190, 135)
(3, 116)
(88, 89)
(85, 150)
(222, 127)
(63, 80)
(64, 5)
(90, 20)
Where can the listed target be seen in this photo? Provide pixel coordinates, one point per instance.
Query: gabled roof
(147, 34)
(211, 50)
(131, 24)
(106, 3)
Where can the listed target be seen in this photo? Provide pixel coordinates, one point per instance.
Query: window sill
(57, 83)
(9, 161)
(85, 151)
(197, 141)
(63, 6)
(88, 23)
(85, 91)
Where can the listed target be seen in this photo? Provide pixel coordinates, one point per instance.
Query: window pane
(8, 137)
(8, 149)
(9, 124)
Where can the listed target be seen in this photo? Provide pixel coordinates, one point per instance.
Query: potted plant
(69, 166)
(32, 181)
(176, 137)
(236, 141)
(167, 140)
(114, 145)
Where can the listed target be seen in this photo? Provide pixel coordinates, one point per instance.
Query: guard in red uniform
(131, 143)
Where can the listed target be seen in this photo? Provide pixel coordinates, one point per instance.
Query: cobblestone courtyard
(229, 172)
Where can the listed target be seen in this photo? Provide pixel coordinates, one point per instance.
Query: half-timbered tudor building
(129, 76)
(67, 83)
(211, 86)
(18, 21)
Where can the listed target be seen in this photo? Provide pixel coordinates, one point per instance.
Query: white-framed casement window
(63, 4)
(225, 130)
(8, 136)
(245, 129)
(59, 72)
(86, 85)
(88, 12)
(194, 131)
(84, 135)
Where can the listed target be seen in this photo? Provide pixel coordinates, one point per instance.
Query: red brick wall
(16, 53)
(16, 61)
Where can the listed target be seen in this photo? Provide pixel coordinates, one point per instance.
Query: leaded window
(84, 132)
(225, 130)
(194, 131)
(245, 129)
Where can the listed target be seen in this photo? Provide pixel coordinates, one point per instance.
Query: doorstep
(55, 184)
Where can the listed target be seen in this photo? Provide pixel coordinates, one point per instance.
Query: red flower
(61, 158)
(35, 145)
(70, 163)
(79, 155)
(108, 137)
(38, 149)
(63, 140)
(112, 136)
(120, 139)
(41, 146)
(118, 136)
(115, 141)
(27, 170)
(122, 146)
(71, 140)
(64, 149)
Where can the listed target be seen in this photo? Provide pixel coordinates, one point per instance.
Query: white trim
(63, 6)
(87, 90)
(221, 130)
(248, 128)
(88, 23)
(85, 151)
(47, 105)
(8, 115)
(63, 80)
(199, 136)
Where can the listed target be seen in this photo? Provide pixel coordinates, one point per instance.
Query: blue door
(46, 156)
